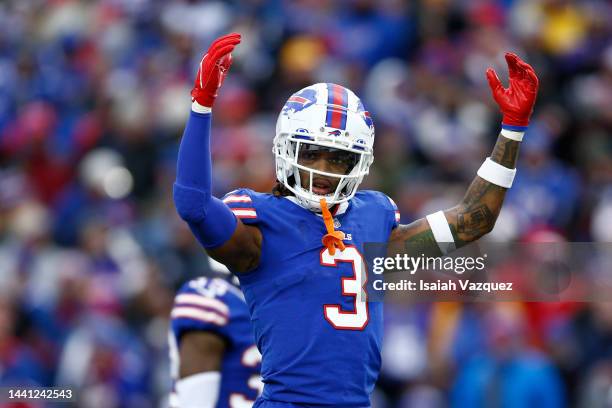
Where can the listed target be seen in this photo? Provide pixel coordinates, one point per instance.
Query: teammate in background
(213, 360)
(297, 252)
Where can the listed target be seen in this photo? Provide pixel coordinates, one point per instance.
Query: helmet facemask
(294, 166)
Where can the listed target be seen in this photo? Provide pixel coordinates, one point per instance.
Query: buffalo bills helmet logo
(367, 119)
(334, 133)
(301, 100)
(365, 115)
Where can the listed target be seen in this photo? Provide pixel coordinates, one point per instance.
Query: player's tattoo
(473, 217)
(505, 152)
(477, 191)
(475, 222)
(413, 239)
(425, 237)
(476, 214)
(417, 233)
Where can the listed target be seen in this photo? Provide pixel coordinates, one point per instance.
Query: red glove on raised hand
(516, 102)
(213, 69)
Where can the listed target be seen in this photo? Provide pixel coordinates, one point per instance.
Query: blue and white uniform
(320, 338)
(214, 305)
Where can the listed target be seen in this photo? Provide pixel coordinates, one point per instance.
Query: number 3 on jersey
(351, 286)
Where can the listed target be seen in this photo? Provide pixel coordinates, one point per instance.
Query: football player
(214, 362)
(298, 251)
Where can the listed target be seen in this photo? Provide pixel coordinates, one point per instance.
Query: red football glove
(516, 102)
(213, 69)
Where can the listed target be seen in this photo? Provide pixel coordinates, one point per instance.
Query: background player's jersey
(319, 344)
(216, 306)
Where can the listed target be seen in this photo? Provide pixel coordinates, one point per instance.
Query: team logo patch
(300, 101)
(334, 133)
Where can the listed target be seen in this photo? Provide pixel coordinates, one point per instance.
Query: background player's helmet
(327, 116)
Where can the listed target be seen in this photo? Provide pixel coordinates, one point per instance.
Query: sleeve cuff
(514, 128)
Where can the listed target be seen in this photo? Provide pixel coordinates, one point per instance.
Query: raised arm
(214, 225)
(475, 215)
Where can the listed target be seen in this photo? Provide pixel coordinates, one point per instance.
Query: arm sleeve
(199, 390)
(210, 220)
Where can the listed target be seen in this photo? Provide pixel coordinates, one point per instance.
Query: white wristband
(512, 134)
(441, 232)
(496, 173)
(196, 107)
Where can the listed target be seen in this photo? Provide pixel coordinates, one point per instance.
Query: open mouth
(321, 186)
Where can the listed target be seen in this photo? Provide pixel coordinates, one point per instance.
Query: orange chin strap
(333, 239)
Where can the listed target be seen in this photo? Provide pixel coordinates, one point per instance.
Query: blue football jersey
(320, 341)
(214, 305)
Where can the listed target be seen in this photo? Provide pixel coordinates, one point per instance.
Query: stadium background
(93, 98)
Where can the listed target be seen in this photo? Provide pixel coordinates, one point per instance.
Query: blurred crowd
(93, 99)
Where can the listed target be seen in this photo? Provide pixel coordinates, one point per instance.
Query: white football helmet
(323, 116)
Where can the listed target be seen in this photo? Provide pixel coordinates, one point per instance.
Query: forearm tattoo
(414, 239)
(472, 218)
(505, 152)
(477, 212)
